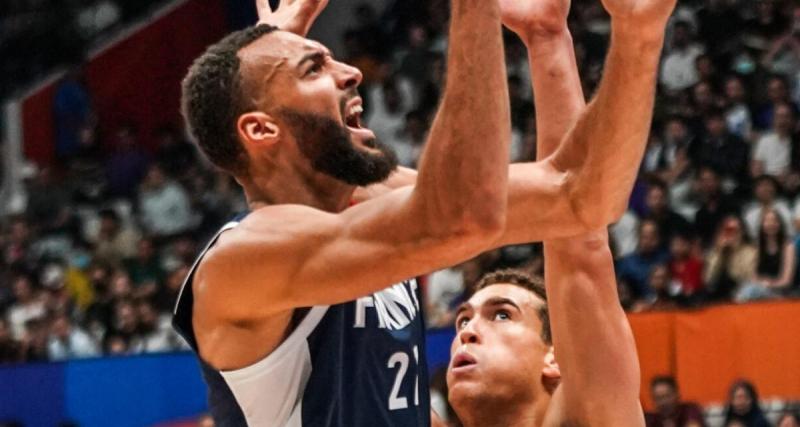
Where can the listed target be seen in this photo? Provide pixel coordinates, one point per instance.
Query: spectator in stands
(720, 149)
(685, 267)
(164, 209)
(714, 205)
(34, 340)
(789, 419)
(678, 70)
(658, 210)
(718, 24)
(114, 241)
(772, 154)
(634, 269)
(388, 113)
(10, 348)
(175, 154)
(68, 341)
(72, 110)
(662, 297)
(127, 164)
(145, 268)
(667, 156)
(732, 261)
(167, 295)
(737, 113)
(765, 190)
(16, 248)
(155, 333)
(776, 256)
(28, 304)
(777, 94)
(670, 411)
(125, 323)
(743, 405)
(410, 142)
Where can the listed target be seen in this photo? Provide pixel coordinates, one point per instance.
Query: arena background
(92, 91)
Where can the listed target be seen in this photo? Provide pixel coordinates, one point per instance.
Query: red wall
(135, 81)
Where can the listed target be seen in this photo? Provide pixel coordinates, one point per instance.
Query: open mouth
(353, 117)
(462, 360)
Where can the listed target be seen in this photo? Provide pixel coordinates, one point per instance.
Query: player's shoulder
(565, 412)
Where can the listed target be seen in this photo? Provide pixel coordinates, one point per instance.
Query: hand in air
(642, 13)
(295, 16)
(531, 18)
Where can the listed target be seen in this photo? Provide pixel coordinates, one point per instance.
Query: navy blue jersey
(355, 364)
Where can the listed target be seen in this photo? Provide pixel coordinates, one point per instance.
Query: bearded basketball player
(292, 308)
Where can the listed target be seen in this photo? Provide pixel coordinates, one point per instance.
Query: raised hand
(644, 14)
(531, 18)
(295, 16)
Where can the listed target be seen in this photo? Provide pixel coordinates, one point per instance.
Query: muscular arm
(456, 210)
(594, 345)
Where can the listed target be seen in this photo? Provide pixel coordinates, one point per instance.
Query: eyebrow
(495, 301)
(315, 56)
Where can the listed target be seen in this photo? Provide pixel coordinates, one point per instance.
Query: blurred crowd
(93, 263)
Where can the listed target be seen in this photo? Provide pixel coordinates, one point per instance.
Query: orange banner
(707, 350)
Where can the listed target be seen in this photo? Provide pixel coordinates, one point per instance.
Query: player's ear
(258, 128)
(551, 374)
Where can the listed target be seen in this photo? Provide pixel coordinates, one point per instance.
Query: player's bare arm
(594, 345)
(286, 256)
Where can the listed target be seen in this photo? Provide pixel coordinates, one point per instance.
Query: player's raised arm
(594, 345)
(286, 256)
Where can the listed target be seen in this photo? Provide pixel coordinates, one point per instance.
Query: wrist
(634, 32)
(544, 38)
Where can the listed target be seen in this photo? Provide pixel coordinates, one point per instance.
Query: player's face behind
(500, 355)
(292, 109)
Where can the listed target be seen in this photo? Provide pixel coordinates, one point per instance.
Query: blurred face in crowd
(789, 420)
(5, 333)
(121, 286)
(705, 67)
(708, 182)
(145, 250)
(108, 227)
(659, 279)
(148, 317)
(676, 131)
(771, 223)
(765, 191)
(734, 90)
(61, 327)
(23, 289)
(680, 247)
(20, 232)
(126, 319)
(776, 90)
(703, 95)
(784, 119)
(715, 125)
(680, 35)
(648, 237)
(732, 228)
(741, 401)
(498, 354)
(656, 200)
(665, 398)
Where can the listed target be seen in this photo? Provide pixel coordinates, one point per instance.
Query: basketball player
(526, 357)
(280, 114)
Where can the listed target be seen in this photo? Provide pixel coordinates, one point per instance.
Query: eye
(502, 315)
(462, 322)
(314, 69)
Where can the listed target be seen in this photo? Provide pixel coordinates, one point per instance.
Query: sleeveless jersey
(356, 364)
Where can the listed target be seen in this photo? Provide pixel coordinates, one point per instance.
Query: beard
(328, 146)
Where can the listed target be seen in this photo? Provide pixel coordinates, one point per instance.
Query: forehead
(279, 46)
(524, 298)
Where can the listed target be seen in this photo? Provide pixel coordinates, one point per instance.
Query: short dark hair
(664, 379)
(524, 280)
(212, 99)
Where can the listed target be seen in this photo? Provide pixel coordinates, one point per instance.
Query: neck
(506, 414)
(317, 190)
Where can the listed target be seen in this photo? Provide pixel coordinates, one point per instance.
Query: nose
(469, 335)
(347, 76)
